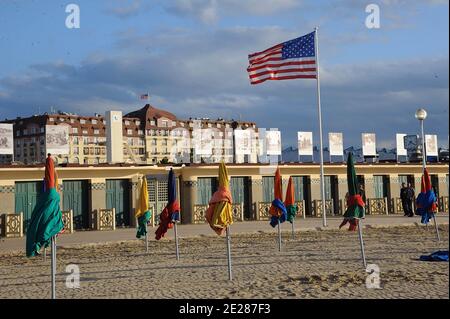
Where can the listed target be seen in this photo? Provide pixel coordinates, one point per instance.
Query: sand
(316, 264)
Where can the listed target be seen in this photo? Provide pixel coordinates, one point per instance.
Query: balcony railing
(11, 225)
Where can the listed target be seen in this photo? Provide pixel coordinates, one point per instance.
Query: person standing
(404, 199)
(410, 199)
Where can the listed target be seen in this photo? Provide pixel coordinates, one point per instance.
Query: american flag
(144, 97)
(294, 59)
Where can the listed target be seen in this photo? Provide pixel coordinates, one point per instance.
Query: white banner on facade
(431, 145)
(305, 143)
(243, 142)
(202, 141)
(273, 142)
(369, 144)
(57, 139)
(6, 139)
(336, 144)
(401, 150)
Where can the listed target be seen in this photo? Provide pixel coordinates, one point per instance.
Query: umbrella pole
(146, 238)
(361, 242)
(292, 225)
(45, 254)
(53, 267)
(436, 227)
(230, 273)
(176, 240)
(279, 236)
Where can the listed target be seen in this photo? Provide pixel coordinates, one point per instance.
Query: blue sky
(191, 57)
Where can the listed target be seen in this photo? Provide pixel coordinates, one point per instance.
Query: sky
(191, 57)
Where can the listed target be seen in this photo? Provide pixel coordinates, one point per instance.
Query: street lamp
(421, 115)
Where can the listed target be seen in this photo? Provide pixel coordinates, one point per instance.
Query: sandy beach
(316, 264)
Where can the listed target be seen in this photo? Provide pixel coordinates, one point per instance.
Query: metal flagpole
(279, 235)
(176, 240)
(45, 254)
(322, 179)
(53, 267)
(230, 272)
(361, 242)
(424, 164)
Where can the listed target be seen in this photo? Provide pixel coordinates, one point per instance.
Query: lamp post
(421, 115)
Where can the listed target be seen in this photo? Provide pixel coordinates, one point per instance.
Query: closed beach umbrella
(171, 212)
(219, 213)
(426, 200)
(277, 209)
(143, 213)
(46, 218)
(355, 203)
(289, 201)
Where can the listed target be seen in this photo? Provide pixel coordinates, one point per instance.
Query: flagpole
(230, 272)
(293, 230)
(53, 267)
(322, 179)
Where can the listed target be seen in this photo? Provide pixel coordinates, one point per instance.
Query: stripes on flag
(144, 97)
(294, 59)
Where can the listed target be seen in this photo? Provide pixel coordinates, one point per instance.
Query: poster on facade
(243, 142)
(273, 142)
(6, 139)
(202, 141)
(431, 145)
(57, 139)
(336, 144)
(305, 143)
(369, 145)
(400, 139)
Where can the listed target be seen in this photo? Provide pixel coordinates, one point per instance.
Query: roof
(149, 111)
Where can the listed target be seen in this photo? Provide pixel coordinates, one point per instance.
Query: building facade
(150, 136)
(89, 190)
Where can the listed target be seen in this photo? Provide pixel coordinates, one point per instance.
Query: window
(96, 132)
(140, 132)
(76, 150)
(164, 123)
(138, 122)
(85, 132)
(174, 123)
(61, 119)
(33, 130)
(94, 121)
(85, 140)
(72, 121)
(129, 132)
(75, 130)
(51, 119)
(152, 122)
(42, 129)
(127, 122)
(82, 121)
(17, 133)
(219, 125)
(25, 132)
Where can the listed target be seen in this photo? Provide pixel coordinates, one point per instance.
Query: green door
(240, 192)
(75, 197)
(26, 196)
(118, 197)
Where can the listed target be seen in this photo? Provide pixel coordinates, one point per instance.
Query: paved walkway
(186, 231)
